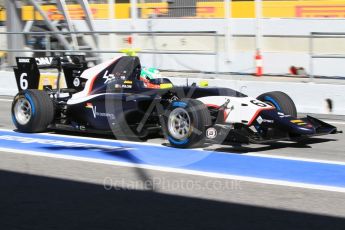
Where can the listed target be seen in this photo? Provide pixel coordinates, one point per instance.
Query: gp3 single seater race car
(113, 97)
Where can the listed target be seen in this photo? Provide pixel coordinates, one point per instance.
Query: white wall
(278, 53)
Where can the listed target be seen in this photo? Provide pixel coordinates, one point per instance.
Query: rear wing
(27, 71)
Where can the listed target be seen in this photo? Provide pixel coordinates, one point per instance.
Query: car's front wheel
(186, 122)
(281, 101)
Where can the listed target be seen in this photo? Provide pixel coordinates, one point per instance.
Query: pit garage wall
(279, 53)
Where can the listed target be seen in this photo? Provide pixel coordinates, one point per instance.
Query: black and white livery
(113, 97)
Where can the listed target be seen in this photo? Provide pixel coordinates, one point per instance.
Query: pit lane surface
(204, 201)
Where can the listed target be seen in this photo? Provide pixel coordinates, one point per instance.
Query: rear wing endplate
(27, 71)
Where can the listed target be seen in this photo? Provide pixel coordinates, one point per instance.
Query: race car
(113, 97)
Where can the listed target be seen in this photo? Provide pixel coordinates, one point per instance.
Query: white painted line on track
(295, 158)
(91, 138)
(102, 139)
(181, 171)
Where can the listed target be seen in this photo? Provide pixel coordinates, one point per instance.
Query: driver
(147, 75)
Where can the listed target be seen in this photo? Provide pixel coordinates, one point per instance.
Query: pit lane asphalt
(175, 201)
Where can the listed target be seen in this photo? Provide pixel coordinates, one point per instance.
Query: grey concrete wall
(279, 53)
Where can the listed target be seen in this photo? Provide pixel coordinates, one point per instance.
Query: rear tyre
(32, 111)
(281, 101)
(186, 122)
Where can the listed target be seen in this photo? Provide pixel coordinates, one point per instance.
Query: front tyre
(186, 123)
(281, 101)
(32, 111)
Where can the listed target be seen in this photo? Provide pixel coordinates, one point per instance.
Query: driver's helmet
(148, 75)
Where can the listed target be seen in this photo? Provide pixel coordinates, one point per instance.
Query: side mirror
(163, 83)
(158, 81)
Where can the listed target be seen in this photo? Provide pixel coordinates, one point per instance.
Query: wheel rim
(22, 111)
(179, 124)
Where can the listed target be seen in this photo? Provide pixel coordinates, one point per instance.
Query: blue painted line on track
(205, 161)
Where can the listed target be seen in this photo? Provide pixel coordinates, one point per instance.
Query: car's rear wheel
(32, 111)
(281, 101)
(186, 122)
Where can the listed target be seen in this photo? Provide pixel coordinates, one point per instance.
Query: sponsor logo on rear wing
(44, 61)
(41, 62)
(23, 60)
(52, 62)
(27, 71)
